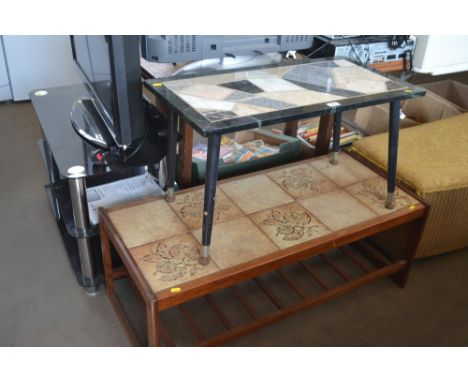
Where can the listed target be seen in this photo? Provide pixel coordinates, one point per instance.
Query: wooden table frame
(156, 303)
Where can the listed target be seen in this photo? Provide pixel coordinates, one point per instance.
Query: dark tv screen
(110, 69)
(92, 56)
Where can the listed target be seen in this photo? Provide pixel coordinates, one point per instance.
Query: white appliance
(441, 54)
(36, 62)
(5, 91)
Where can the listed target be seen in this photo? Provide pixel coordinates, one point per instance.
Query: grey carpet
(42, 305)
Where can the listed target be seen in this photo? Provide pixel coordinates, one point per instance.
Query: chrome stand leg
(77, 185)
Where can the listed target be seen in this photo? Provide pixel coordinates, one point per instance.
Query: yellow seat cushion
(431, 157)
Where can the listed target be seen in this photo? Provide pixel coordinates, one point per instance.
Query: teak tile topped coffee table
(262, 222)
(216, 104)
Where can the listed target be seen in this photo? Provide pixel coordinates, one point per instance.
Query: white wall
(38, 62)
(5, 93)
(441, 54)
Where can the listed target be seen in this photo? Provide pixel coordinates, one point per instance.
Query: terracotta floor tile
(147, 222)
(347, 172)
(373, 193)
(289, 225)
(171, 262)
(255, 193)
(189, 207)
(302, 180)
(337, 209)
(237, 241)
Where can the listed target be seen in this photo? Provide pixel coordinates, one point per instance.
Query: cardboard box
(375, 119)
(351, 134)
(453, 91)
(289, 151)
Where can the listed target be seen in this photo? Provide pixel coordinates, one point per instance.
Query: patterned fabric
(431, 157)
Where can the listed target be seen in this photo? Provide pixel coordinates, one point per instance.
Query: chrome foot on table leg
(334, 158)
(91, 290)
(390, 203)
(205, 256)
(170, 195)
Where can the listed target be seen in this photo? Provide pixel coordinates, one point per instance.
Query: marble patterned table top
(255, 216)
(229, 98)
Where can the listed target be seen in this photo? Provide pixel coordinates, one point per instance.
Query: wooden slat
(219, 313)
(292, 284)
(119, 273)
(245, 303)
(191, 323)
(322, 297)
(371, 253)
(335, 267)
(312, 274)
(353, 256)
(275, 300)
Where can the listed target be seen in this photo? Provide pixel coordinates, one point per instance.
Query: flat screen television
(109, 67)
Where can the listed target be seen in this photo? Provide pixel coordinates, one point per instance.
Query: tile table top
(255, 215)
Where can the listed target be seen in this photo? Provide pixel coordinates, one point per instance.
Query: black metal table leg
(336, 139)
(211, 177)
(171, 154)
(394, 131)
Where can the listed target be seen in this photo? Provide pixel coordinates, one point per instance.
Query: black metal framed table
(70, 169)
(231, 101)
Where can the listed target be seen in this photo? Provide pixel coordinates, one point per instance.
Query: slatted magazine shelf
(284, 239)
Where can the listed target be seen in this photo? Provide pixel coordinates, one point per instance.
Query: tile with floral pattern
(302, 180)
(289, 225)
(170, 262)
(189, 207)
(373, 194)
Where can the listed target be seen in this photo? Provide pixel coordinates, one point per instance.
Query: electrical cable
(398, 41)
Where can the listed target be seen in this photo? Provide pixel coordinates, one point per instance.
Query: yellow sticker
(176, 290)
(157, 84)
(412, 207)
(408, 91)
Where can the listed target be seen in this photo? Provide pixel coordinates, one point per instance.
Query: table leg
(291, 128)
(336, 139)
(211, 177)
(171, 154)
(394, 130)
(412, 244)
(184, 157)
(324, 134)
(153, 325)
